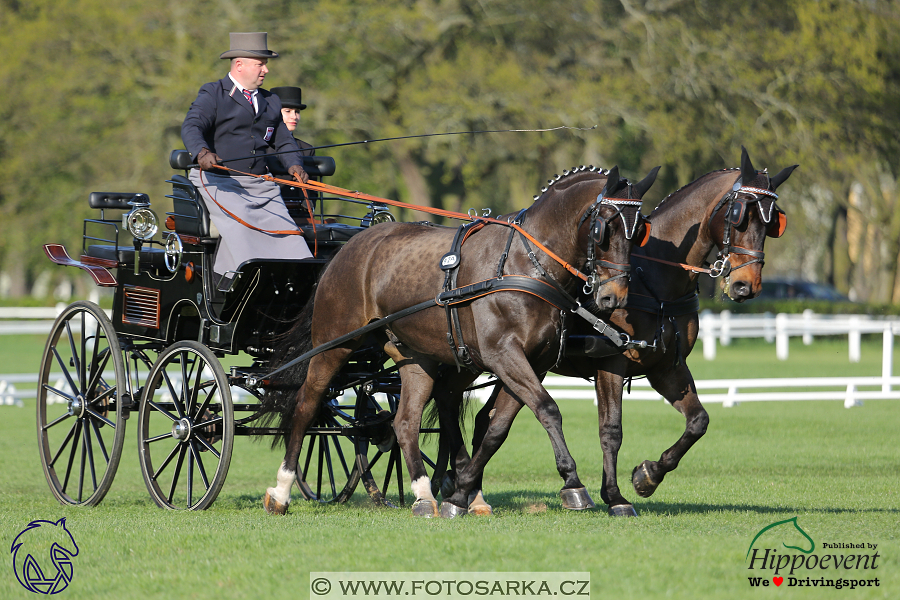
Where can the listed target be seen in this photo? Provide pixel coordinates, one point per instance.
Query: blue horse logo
(42, 556)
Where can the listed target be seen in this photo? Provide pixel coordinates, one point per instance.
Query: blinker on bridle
(736, 214)
(598, 234)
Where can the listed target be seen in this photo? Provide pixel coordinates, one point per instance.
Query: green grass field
(835, 469)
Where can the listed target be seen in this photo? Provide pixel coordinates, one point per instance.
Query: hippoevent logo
(42, 556)
(772, 561)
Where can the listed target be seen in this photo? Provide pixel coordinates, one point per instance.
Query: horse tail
(431, 416)
(283, 391)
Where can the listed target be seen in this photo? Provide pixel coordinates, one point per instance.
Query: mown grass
(833, 468)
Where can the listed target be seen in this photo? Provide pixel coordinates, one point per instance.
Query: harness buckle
(718, 268)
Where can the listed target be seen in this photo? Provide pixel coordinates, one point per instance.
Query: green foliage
(103, 89)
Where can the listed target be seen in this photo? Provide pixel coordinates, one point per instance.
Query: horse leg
(524, 386)
(417, 383)
(609, 411)
(677, 386)
(322, 368)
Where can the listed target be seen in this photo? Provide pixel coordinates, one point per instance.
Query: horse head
(615, 224)
(740, 223)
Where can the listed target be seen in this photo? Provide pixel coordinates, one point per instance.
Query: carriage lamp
(142, 223)
(378, 213)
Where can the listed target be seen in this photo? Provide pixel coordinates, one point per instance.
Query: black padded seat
(330, 232)
(156, 257)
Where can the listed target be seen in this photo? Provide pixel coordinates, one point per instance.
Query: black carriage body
(169, 319)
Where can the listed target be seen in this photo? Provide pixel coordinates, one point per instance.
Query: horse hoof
(622, 510)
(450, 510)
(425, 508)
(273, 506)
(481, 510)
(576, 499)
(642, 481)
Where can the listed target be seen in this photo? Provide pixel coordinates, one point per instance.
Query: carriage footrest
(102, 277)
(124, 255)
(595, 346)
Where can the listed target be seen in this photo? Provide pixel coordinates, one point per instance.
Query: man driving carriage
(235, 118)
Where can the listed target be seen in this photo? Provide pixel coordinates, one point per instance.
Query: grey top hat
(290, 97)
(249, 45)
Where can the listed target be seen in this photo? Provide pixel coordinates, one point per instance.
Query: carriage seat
(124, 255)
(114, 200)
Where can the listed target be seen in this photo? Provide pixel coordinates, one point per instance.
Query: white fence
(721, 328)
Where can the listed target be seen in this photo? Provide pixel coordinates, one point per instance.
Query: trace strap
(508, 283)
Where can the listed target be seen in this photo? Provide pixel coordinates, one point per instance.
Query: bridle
(598, 233)
(738, 201)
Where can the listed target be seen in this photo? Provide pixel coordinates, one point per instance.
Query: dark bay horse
(731, 210)
(393, 266)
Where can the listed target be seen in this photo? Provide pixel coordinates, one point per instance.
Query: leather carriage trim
(99, 262)
(141, 306)
(102, 277)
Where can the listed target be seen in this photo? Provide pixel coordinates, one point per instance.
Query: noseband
(735, 214)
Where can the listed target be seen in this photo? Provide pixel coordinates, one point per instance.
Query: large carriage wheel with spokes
(352, 441)
(186, 427)
(80, 418)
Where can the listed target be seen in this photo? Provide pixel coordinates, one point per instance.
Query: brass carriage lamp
(142, 223)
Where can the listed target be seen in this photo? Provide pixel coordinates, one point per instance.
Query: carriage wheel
(186, 428)
(80, 418)
(349, 443)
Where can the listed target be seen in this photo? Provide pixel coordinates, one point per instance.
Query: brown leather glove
(207, 159)
(298, 173)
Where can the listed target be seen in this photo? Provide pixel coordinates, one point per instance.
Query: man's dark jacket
(222, 120)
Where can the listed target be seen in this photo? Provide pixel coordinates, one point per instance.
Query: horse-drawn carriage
(382, 335)
(158, 357)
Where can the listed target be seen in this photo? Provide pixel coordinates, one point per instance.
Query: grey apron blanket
(257, 202)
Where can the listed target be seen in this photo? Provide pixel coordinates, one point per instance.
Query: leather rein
(337, 191)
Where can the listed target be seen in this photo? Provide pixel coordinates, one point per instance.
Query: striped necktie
(249, 96)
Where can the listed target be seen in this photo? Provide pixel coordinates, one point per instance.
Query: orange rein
(330, 189)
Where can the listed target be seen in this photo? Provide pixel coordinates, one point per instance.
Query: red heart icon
(778, 580)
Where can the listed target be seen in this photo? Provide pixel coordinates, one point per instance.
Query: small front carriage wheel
(80, 417)
(186, 428)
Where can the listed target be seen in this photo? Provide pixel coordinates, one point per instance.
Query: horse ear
(640, 188)
(748, 173)
(612, 181)
(782, 177)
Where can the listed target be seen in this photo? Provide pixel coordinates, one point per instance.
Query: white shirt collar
(239, 86)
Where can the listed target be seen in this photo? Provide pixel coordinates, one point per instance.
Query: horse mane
(571, 177)
(687, 185)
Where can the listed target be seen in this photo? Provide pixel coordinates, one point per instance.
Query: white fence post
(708, 334)
(782, 340)
(768, 327)
(887, 358)
(725, 326)
(855, 339)
(808, 316)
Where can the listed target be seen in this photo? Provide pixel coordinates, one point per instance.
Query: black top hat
(290, 97)
(249, 45)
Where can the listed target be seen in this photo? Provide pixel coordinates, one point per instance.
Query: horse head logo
(42, 556)
(785, 532)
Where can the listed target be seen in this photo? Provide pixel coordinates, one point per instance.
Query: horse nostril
(740, 288)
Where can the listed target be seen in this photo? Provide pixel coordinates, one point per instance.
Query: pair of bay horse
(522, 273)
